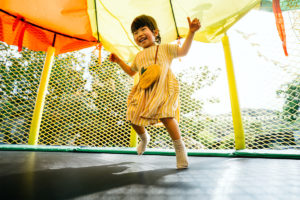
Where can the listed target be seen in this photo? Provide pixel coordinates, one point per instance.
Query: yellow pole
(133, 134)
(235, 107)
(133, 138)
(40, 100)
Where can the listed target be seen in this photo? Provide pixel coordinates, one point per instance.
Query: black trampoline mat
(68, 175)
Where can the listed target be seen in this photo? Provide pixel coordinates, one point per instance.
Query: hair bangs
(142, 21)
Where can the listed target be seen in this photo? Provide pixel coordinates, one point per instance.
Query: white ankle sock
(181, 154)
(145, 138)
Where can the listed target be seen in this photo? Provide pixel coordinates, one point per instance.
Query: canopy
(74, 24)
(37, 24)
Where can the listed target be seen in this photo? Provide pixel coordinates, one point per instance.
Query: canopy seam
(96, 14)
(178, 36)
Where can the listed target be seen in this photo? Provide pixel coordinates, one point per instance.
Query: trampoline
(63, 133)
(75, 175)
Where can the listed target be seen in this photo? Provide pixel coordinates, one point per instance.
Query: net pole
(40, 100)
(133, 138)
(235, 107)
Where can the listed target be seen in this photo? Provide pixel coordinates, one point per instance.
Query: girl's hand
(194, 25)
(114, 58)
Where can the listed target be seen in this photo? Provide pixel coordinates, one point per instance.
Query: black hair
(145, 20)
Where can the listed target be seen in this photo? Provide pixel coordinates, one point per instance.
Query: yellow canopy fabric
(76, 24)
(114, 19)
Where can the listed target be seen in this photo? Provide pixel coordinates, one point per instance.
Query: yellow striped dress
(161, 100)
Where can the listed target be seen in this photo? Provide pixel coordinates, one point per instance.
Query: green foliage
(191, 110)
(19, 75)
(84, 109)
(191, 81)
(86, 105)
(111, 86)
(71, 102)
(291, 94)
(263, 129)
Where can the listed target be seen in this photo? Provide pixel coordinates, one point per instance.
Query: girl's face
(144, 37)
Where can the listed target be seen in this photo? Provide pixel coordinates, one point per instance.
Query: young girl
(159, 101)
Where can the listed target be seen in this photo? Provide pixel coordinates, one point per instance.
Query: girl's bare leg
(173, 129)
(139, 129)
(143, 135)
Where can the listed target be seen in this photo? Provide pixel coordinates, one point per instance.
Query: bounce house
(61, 96)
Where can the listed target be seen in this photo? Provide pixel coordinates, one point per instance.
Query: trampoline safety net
(86, 102)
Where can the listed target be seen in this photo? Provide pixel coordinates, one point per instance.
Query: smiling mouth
(143, 39)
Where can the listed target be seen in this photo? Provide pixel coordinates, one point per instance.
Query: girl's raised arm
(194, 26)
(114, 58)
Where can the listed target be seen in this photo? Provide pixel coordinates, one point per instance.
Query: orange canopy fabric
(37, 24)
(280, 24)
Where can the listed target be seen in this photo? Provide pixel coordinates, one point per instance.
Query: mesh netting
(86, 103)
(272, 83)
(20, 75)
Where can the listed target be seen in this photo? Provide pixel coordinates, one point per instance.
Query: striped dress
(161, 100)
